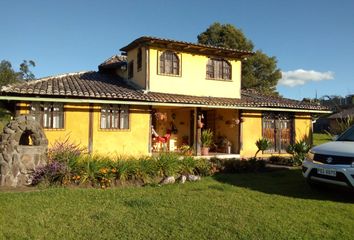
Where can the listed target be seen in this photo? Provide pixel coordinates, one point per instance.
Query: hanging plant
(160, 116)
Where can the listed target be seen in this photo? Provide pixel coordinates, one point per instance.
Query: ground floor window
(278, 129)
(49, 115)
(115, 117)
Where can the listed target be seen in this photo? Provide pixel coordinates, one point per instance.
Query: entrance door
(278, 129)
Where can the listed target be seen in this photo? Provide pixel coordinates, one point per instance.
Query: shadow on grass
(289, 183)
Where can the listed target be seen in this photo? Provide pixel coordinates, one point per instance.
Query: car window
(348, 135)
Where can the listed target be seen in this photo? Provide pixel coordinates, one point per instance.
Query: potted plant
(228, 146)
(224, 145)
(206, 140)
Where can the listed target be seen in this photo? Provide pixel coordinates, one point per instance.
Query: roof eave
(186, 47)
(153, 103)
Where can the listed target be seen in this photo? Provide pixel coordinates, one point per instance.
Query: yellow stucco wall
(139, 77)
(303, 127)
(132, 141)
(252, 131)
(76, 121)
(226, 126)
(192, 79)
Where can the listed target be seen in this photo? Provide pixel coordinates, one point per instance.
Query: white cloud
(301, 77)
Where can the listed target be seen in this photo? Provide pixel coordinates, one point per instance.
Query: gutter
(143, 103)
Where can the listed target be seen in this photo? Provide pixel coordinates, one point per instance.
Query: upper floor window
(131, 69)
(139, 58)
(115, 117)
(218, 69)
(49, 115)
(169, 63)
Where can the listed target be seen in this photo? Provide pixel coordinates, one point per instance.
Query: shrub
(126, 169)
(146, 170)
(299, 151)
(286, 161)
(65, 151)
(203, 167)
(54, 173)
(187, 166)
(240, 166)
(167, 164)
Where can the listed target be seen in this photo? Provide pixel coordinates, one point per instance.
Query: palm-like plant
(207, 138)
(299, 151)
(262, 145)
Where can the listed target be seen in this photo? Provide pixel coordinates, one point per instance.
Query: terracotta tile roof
(96, 85)
(186, 46)
(114, 62)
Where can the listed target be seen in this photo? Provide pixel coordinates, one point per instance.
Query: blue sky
(313, 41)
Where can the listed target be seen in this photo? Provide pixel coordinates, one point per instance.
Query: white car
(332, 162)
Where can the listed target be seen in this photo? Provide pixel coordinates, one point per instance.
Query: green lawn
(320, 138)
(273, 205)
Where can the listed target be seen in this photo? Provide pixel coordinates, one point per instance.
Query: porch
(179, 129)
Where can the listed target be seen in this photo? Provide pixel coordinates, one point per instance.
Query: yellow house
(159, 95)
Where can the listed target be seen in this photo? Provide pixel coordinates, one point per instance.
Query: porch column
(197, 131)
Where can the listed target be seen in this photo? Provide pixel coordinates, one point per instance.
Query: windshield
(347, 135)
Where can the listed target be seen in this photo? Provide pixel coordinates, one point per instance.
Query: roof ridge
(146, 38)
(119, 56)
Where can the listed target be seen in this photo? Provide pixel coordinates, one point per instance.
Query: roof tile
(104, 86)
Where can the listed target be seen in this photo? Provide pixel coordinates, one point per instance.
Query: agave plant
(299, 151)
(262, 145)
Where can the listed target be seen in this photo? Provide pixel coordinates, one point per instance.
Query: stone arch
(18, 158)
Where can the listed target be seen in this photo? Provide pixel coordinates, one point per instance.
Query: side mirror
(334, 138)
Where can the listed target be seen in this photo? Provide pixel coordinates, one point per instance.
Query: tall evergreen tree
(259, 71)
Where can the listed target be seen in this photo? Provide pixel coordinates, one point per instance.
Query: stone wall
(23, 148)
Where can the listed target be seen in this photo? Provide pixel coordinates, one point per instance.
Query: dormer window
(218, 69)
(139, 59)
(169, 63)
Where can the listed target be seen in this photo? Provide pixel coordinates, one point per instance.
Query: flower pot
(205, 151)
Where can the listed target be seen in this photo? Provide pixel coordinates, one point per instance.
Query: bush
(299, 151)
(146, 170)
(187, 166)
(54, 173)
(167, 164)
(203, 167)
(67, 165)
(65, 151)
(239, 166)
(286, 161)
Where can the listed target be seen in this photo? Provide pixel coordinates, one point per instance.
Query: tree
(8, 75)
(259, 71)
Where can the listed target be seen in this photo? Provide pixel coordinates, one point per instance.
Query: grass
(320, 138)
(272, 205)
